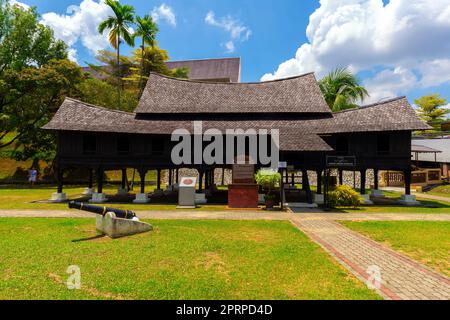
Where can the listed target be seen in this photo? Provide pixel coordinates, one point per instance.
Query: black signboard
(341, 161)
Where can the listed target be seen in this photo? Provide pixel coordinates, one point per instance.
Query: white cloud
(80, 24)
(20, 4)
(236, 30)
(389, 83)
(164, 12)
(230, 46)
(407, 39)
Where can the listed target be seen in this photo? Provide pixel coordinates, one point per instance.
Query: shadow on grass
(99, 236)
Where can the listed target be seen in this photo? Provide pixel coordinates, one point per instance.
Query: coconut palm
(342, 90)
(119, 26)
(146, 29)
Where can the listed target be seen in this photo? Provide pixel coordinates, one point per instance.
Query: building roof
(295, 135)
(74, 115)
(390, 115)
(165, 95)
(223, 69)
(423, 149)
(436, 144)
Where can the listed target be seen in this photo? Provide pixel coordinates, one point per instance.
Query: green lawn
(430, 207)
(25, 198)
(441, 191)
(425, 241)
(179, 260)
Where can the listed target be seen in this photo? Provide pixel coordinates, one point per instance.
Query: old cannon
(114, 223)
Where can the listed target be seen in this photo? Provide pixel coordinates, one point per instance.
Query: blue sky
(397, 47)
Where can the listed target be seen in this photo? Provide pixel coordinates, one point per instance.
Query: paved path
(431, 197)
(401, 277)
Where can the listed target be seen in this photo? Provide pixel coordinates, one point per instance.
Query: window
(383, 144)
(123, 145)
(157, 146)
(89, 144)
(342, 146)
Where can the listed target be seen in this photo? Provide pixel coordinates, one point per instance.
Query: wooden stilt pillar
(375, 179)
(59, 179)
(200, 180)
(407, 175)
(363, 181)
(91, 182)
(158, 179)
(100, 173)
(124, 179)
(170, 177)
(177, 175)
(207, 177)
(306, 186)
(142, 174)
(341, 177)
(293, 179)
(319, 181)
(223, 177)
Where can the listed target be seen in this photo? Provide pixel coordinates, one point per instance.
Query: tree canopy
(342, 89)
(430, 109)
(34, 77)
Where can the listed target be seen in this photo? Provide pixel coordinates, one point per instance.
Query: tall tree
(146, 29)
(119, 26)
(430, 109)
(34, 78)
(29, 99)
(342, 89)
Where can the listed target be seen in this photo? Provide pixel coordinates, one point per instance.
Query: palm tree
(342, 90)
(147, 29)
(119, 26)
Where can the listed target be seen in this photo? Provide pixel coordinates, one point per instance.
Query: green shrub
(268, 180)
(344, 196)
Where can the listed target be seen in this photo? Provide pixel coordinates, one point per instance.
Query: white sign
(282, 165)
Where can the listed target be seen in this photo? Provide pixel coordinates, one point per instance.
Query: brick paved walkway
(401, 277)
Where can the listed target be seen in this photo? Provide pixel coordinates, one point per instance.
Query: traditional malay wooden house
(376, 136)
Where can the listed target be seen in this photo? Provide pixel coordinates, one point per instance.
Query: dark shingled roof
(391, 115)
(74, 115)
(224, 69)
(291, 95)
(295, 134)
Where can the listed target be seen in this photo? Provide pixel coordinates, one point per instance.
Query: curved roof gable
(164, 95)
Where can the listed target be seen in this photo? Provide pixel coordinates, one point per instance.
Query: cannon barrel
(124, 214)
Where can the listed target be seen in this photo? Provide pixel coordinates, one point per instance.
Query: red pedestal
(243, 196)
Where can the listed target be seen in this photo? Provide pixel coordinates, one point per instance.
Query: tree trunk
(118, 66)
(141, 87)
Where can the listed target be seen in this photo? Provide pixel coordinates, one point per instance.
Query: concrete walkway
(418, 194)
(401, 277)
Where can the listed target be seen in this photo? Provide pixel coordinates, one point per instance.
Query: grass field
(425, 241)
(430, 207)
(441, 191)
(179, 260)
(25, 199)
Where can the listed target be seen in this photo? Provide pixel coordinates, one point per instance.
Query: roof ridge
(98, 107)
(231, 83)
(371, 105)
(205, 59)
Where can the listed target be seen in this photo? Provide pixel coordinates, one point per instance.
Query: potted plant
(268, 179)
